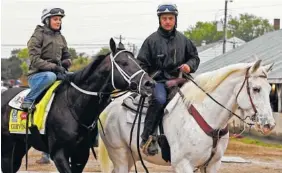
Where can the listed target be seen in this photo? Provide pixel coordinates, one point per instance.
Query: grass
(247, 140)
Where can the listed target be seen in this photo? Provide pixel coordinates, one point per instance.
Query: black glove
(61, 76)
(66, 63)
(59, 69)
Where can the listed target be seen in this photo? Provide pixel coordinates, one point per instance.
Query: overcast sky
(95, 21)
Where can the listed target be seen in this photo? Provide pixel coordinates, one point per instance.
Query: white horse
(243, 86)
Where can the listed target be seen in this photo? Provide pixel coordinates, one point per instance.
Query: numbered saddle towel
(17, 122)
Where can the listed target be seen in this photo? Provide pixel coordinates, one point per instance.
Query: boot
(149, 140)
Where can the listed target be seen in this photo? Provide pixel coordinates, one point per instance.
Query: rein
(216, 134)
(100, 94)
(243, 120)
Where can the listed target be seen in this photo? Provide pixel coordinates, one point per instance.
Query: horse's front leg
(61, 160)
(183, 166)
(212, 168)
(80, 157)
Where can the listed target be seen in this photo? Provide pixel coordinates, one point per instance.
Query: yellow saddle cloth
(17, 122)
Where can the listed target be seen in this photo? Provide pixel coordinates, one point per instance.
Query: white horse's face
(257, 99)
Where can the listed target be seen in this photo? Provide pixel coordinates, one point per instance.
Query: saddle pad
(16, 102)
(130, 116)
(17, 122)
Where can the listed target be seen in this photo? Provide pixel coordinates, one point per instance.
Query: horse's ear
(255, 66)
(113, 46)
(268, 67)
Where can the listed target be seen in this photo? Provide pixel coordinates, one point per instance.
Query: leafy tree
(103, 51)
(204, 31)
(73, 53)
(245, 27)
(249, 27)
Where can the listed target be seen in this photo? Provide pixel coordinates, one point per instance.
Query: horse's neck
(215, 115)
(93, 81)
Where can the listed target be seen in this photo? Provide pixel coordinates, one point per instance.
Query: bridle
(246, 80)
(254, 116)
(126, 77)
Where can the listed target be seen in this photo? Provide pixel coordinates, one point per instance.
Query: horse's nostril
(149, 84)
(267, 126)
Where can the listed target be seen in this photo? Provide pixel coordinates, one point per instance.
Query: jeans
(38, 82)
(160, 93)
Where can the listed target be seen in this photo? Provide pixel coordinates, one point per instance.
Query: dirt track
(263, 160)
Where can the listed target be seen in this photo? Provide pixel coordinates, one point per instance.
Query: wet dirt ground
(263, 160)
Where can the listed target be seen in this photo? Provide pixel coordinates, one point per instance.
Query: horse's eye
(256, 89)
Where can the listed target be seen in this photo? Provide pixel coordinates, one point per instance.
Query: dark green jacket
(47, 49)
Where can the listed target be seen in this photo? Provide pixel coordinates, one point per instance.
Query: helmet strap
(48, 23)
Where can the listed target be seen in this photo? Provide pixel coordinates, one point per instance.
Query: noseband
(125, 76)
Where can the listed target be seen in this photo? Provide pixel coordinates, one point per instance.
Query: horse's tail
(103, 156)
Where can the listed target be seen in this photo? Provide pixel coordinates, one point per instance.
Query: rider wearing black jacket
(163, 55)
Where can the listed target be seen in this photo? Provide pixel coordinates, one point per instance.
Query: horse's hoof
(43, 160)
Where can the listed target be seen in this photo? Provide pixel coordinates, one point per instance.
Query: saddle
(132, 101)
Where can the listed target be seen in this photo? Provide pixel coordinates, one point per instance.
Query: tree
(24, 67)
(249, 27)
(15, 52)
(10, 68)
(23, 56)
(245, 27)
(79, 62)
(203, 31)
(73, 53)
(103, 51)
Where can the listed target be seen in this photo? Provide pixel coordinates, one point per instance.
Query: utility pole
(120, 38)
(134, 49)
(224, 27)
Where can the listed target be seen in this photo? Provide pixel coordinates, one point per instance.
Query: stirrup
(147, 144)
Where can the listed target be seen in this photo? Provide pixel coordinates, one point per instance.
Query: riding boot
(149, 141)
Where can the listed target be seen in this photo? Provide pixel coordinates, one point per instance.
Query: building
(212, 50)
(267, 48)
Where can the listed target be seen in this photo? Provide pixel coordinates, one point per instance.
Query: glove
(185, 68)
(66, 63)
(61, 76)
(59, 69)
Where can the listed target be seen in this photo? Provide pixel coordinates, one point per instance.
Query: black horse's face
(127, 74)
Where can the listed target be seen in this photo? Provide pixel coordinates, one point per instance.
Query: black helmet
(167, 9)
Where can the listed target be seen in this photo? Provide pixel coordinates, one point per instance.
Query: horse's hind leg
(79, 158)
(120, 159)
(12, 155)
(61, 161)
(7, 156)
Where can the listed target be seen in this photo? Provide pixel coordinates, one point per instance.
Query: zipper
(174, 57)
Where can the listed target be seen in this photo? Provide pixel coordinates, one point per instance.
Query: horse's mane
(209, 81)
(84, 72)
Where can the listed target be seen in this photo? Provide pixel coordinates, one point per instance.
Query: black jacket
(165, 51)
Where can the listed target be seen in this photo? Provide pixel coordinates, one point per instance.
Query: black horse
(74, 111)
